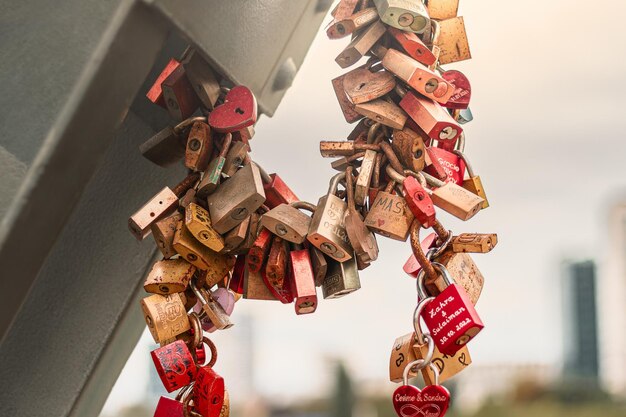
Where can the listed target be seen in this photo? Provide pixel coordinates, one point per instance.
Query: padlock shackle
(304, 205)
(417, 324)
(391, 157)
(371, 133)
(213, 350)
(350, 188)
(418, 176)
(468, 165)
(334, 182)
(197, 292)
(418, 365)
(196, 326)
(265, 177)
(421, 258)
(432, 181)
(394, 175)
(188, 122)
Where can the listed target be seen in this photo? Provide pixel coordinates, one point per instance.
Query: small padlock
(383, 111)
(162, 204)
(175, 365)
(260, 250)
(453, 41)
(361, 238)
(456, 200)
(409, 401)
(346, 106)
(433, 119)
(165, 316)
(199, 147)
(418, 76)
(215, 265)
(235, 237)
(198, 223)
(235, 158)
(276, 271)
(163, 232)
(389, 215)
(202, 79)
(327, 231)
(473, 183)
(462, 90)
(452, 165)
(474, 242)
(361, 44)
(302, 280)
(341, 279)
(237, 277)
(180, 98)
(213, 174)
(276, 191)
(155, 93)
(236, 198)
(251, 234)
(410, 148)
(286, 221)
(341, 28)
(362, 85)
(255, 287)
(169, 276)
(238, 111)
(208, 392)
(416, 195)
(450, 316)
(168, 146)
(226, 299)
(319, 263)
(212, 309)
(413, 46)
(409, 15)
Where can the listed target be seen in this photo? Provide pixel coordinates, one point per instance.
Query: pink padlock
(225, 298)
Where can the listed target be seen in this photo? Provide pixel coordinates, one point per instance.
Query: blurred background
(546, 96)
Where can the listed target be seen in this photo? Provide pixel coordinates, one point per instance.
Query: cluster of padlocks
(230, 230)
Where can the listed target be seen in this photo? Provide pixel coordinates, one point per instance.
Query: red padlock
(462, 90)
(276, 191)
(451, 163)
(175, 365)
(155, 94)
(168, 407)
(208, 392)
(433, 119)
(237, 277)
(450, 316)
(259, 250)
(302, 281)
(180, 98)
(417, 198)
(238, 111)
(411, 266)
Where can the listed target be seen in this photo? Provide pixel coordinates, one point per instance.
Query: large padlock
(452, 41)
(361, 238)
(175, 365)
(342, 278)
(215, 264)
(302, 280)
(389, 215)
(275, 275)
(473, 183)
(361, 44)
(211, 308)
(199, 147)
(202, 79)
(288, 222)
(180, 98)
(163, 232)
(451, 164)
(236, 198)
(409, 15)
(165, 316)
(417, 76)
(433, 119)
(208, 392)
(327, 231)
(169, 276)
(340, 28)
(199, 225)
(450, 316)
(454, 199)
(213, 174)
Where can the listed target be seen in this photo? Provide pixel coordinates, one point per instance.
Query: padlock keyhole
(239, 110)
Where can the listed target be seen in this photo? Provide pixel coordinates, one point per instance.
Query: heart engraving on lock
(410, 401)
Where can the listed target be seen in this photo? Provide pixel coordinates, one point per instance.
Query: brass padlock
(169, 276)
(211, 308)
(163, 232)
(202, 79)
(452, 41)
(474, 242)
(236, 198)
(464, 271)
(236, 236)
(442, 9)
(165, 316)
(254, 288)
(327, 231)
(341, 279)
(361, 238)
(288, 222)
(473, 183)
(162, 204)
(199, 147)
(389, 215)
(235, 158)
(360, 45)
(410, 148)
(456, 200)
(213, 173)
(199, 225)
(216, 265)
(409, 15)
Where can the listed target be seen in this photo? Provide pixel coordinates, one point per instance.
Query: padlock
(474, 242)
(384, 112)
(275, 273)
(244, 136)
(409, 401)
(433, 119)
(259, 251)
(346, 106)
(202, 79)
(327, 231)
(251, 234)
(442, 9)
(361, 238)
(366, 171)
(235, 158)
(168, 407)
(464, 116)
(344, 9)
(222, 297)
(255, 288)
(174, 365)
(237, 277)
(410, 148)
(188, 198)
(198, 223)
(473, 183)
(465, 272)
(276, 191)
(155, 94)
(451, 164)
(450, 316)
(462, 90)
(409, 15)
(169, 276)
(416, 194)
(453, 41)
(413, 46)
(168, 146)
(417, 76)
(162, 204)
(163, 232)
(319, 264)
(216, 265)
(288, 222)
(238, 111)
(329, 149)
(180, 98)
(341, 279)
(213, 173)
(402, 353)
(362, 85)
(361, 44)
(165, 316)
(456, 200)
(389, 215)
(199, 147)
(341, 28)
(212, 309)
(208, 392)
(236, 198)
(302, 280)
(235, 237)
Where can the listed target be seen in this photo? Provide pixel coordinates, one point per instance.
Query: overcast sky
(547, 140)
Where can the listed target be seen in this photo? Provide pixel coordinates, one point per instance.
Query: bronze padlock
(236, 198)
(165, 316)
(236, 236)
(235, 158)
(341, 279)
(389, 215)
(169, 276)
(361, 238)
(163, 232)
(464, 271)
(474, 242)
(202, 79)
(410, 148)
(288, 222)
(199, 225)
(452, 41)
(199, 147)
(254, 288)
(162, 204)
(361, 44)
(454, 199)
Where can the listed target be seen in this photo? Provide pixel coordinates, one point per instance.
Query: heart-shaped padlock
(238, 111)
(410, 401)
(462, 90)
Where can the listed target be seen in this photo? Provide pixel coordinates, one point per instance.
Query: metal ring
(213, 350)
(194, 320)
(417, 326)
(439, 250)
(304, 206)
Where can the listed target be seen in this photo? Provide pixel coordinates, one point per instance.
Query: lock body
(433, 119)
(169, 276)
(360, 45)
(390, 216)
(408, 15)
(168, 407)
(410, 148)
(155, 94)
(165, 316)
(208, 392)
(277, 192)
(452, 165)
(327, 231)
(287, 222)
(302, 281)
(199, 147)
(341, 279)
(180, 98)
(158, 207)
(175, 365)
(457, 201)
(199, 225)
(202, 79)
(419, 202)
(163, 232)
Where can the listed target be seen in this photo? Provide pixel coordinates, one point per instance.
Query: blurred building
(580, 324)
(612, 304)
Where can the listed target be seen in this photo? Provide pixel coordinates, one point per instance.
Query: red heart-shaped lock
(462, 89)
(238, 111)
(410, 401)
